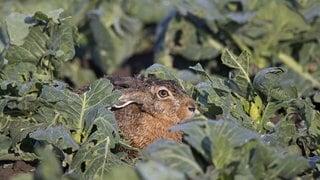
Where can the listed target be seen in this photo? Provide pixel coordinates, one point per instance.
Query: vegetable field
(253, 66)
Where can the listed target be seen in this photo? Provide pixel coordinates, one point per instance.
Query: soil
(10, 168)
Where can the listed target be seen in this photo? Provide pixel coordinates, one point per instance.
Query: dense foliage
(252, 66)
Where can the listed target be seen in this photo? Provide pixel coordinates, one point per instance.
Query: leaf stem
(215, 44)
(80, 124)
(105, 156)
(262, 122)
(240, 44)
(292, 63)
(245, 73)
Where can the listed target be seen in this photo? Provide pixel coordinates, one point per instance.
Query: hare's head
(162, 99)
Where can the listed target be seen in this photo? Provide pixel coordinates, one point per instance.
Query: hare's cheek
(162, 108)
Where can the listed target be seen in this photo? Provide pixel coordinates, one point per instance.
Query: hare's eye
(163, 93)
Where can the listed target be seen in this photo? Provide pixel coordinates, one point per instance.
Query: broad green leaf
(56, 135)
(78, 75)
(174, 155)
(290, 166)
(241, 64)
(198, 68)
(123, 172)
(62, 41)
(269, 112)
(19, 130)
(23, 176)
(156, 10)
(77, 109)
(49, 167)
(94, 159)
(45, 43)
(20, 71)
(105, 124)
(266, 163)
(285, 26)
(218, 99)
(297, 128)
(3, 103)
(271, 84)
(309, 126)
(275, 26)
(284, 133)
(296, 67)
(216, 140)
(190, 40)
(161, 72)
(53, 15)
(32, 50)
(4, 146)
(17, 28)
(154, 170)
(314, 131)
(115, 36)
(215, 82)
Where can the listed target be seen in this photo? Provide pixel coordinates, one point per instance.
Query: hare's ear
(119, 105)
(128, 98)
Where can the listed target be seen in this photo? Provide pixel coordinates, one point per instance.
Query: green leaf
(291, 63)
(62, 41)
(19, 130)
(266, 163)
(161, 72)
(174, 155)
(94, 159)
(218, 99)
(115, 36)
(78, 110)
(53, 15)
(198, 68)
(32, 50)
(271, 84)
(189, 37)
(290, 166)
(269, 112)
(4, 146)
(17, 28)
(22, 176)
(232, 150)
(152, 14)
(123, 172)
(216, 140)
(79, 76)
(154, 170)
(19, 71)
(3, 103)
(241, 64)
(49, 167)
(215, 82)
(275, 27)
(45, 42)
(56, 135)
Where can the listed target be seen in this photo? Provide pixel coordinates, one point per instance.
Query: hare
(148, 107)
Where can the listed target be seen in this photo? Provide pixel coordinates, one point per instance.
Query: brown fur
(149, 115)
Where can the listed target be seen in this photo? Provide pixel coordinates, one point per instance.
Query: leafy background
(252, 66)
